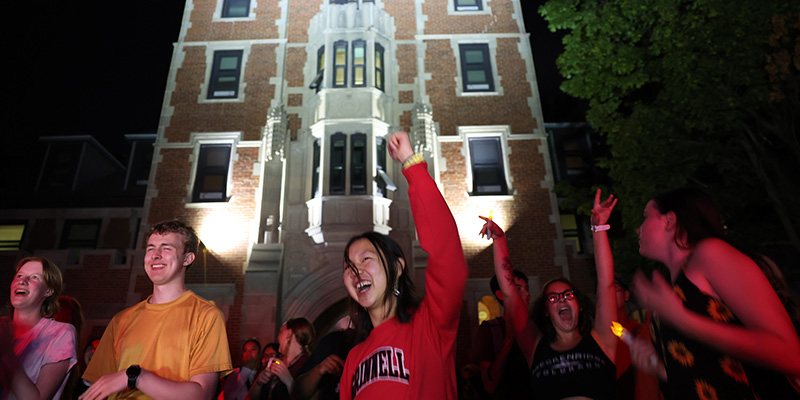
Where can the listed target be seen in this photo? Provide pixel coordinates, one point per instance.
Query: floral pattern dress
(697, 371)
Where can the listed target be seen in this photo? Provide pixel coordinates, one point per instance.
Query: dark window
(379, 79)
(358, 164)
(80, 234)
(380, 158)
(569, 225)
(488, 173)
(317, 83)
(340, 64)
(476, 68)
(212, 173)
(61, 167)
(11, 233)
(224, 83)
(338, 158)
(468, 5)
(359, 62)
(235, 8)
(315, 192)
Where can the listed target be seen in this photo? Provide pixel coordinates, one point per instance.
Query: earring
(395, 291)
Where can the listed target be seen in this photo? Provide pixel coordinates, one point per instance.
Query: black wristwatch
(133, 374)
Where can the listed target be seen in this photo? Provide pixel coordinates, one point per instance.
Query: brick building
(271, 143)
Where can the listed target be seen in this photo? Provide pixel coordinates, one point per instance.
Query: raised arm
(525, 331)
(446, 274)
(767, 336)
(606, 308)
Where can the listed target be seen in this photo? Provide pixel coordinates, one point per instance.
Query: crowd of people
(715, 328)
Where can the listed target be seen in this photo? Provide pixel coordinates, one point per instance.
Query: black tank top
(584, 370)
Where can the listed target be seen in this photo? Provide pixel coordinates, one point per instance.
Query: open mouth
(363, 286)
(565, 312)
(20, 292)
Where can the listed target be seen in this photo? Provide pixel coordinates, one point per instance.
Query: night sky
(100, 68)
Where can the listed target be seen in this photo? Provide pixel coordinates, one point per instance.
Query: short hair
(303, 331)
(191, 242)
(495, 286)
(543, 322)
(52, 278)
(253, 341)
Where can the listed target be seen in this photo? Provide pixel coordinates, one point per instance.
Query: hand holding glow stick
(627, 338)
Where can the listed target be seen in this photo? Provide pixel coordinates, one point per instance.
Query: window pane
(473, 56)
(358, 54)
(358, 78)
(227, 63)
(214, 182)
(235, 8)
(484, 151)
(341, 56)
(11, 236)
(340, 76)
(476, 76)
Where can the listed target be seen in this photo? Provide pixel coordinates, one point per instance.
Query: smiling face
(28, 289)
(164, 261)
(563, 313)
(368, 286)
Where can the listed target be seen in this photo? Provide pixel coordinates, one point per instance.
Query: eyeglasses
(567, 295)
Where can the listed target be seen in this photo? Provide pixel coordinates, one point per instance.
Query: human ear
(401, 266)
(672, 220)
(188, 259)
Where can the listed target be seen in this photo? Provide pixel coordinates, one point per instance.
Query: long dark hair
(545, 325)
(697, 215)
(390, 254)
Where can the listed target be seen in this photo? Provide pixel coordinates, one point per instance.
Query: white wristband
(600, 228)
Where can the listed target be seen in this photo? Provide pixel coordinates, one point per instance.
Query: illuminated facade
(272, 136)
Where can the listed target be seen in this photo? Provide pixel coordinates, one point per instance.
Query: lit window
(224, 82)
(11, 235)
(468, 5)
(338, 160)
(488, 172)
(212, 173)
(359, 62)
(317, 83)
(379, 66)
(476, 68)
(80, 234)
(358, 163)
(235, 8)
(340, 64)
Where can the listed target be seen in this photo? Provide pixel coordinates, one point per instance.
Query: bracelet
(600, 228)
(413, 160)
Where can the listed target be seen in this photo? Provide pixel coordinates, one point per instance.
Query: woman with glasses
(721, 330)
(567, 340)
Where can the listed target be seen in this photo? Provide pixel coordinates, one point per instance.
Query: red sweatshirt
(416, 360)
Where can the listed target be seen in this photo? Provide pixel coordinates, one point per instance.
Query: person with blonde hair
(36, 352)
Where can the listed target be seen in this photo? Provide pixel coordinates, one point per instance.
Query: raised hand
(400, 146)
(602, 209)
(491, 230)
